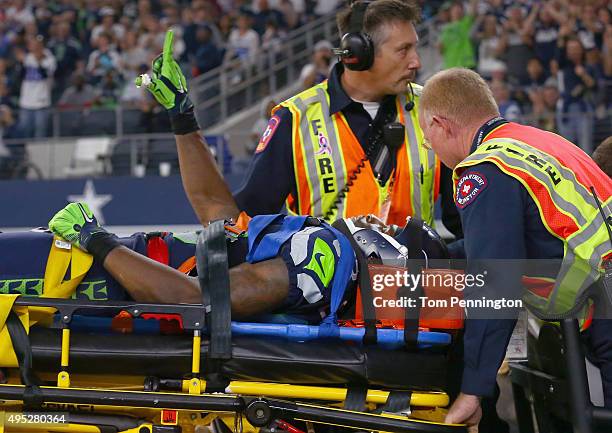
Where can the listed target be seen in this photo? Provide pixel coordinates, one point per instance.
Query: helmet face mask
(376, 245)
(392, 251)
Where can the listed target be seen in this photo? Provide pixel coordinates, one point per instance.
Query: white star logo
(95, 201)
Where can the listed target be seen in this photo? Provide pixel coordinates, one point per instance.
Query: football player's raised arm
(206, 190)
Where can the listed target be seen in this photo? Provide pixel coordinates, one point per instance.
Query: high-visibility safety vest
(558, 177)
(327, 156)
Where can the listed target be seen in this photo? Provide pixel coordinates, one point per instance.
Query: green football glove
(169, 87)
(78, 225)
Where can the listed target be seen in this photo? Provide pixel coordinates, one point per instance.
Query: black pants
(598, 340)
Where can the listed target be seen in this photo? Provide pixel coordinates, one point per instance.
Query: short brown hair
(603, 156)
(377, 15)
(460, 95)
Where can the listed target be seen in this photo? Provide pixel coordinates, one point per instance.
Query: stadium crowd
(548, 62)
(86, 53)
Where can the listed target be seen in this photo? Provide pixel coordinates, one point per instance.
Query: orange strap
(188, 265)
(241, 225)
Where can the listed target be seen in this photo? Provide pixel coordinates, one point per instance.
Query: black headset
(356, 50)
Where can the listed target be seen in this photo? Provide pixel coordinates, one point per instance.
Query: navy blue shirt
(207, 56)
(500, 222)
(575, 90)
(271, 177)
(546, 42)
(67, 53)
(262, 18)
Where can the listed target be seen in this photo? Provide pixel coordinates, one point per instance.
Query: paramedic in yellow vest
(522, 194)
(334, 150)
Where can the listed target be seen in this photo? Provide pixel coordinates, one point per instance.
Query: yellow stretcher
(59, 379)
(127, 401)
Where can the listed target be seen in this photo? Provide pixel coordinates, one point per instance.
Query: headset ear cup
(368, 51)
(360, 51)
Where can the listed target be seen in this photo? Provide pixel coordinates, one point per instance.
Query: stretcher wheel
(258, 413)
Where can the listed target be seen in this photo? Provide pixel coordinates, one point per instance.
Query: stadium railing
(139, 154)
(103, 155)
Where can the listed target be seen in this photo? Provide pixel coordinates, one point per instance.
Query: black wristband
(102, 243)
(184, 123)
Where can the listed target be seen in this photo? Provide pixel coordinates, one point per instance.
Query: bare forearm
(149, 281)
(254, 288)
(258, 288)
(528, 26)
(588, 80)
(206, 190)
(558, 16)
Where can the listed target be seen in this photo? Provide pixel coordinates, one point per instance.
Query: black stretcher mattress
(256, 359)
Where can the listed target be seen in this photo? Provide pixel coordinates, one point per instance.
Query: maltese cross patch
(268, 133)
(468, 188)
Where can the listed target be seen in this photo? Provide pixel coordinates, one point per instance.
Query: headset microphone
(410, 104)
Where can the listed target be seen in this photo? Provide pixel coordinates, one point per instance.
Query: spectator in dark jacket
(201, 17)
(266, 14)
(67, 51)
(545, 31)
(576, 81)
(207, 56)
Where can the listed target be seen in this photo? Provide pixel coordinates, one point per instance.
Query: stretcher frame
(538, 395)
(247, 406)
(256, 404)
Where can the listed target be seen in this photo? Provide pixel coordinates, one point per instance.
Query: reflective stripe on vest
(326, 154)
(565, 204)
